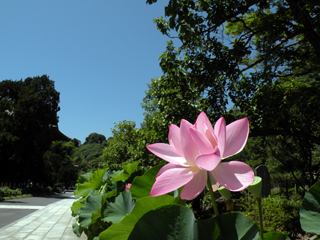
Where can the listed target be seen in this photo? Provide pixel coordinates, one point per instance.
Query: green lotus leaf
(76, 206)
(310, 210)
(77, 229)
(106, 175)
(84, 177)
(91, 205)
(95, 216)
(275, 236)
(141, 185)
(122, 230)
(94, 183)
(125, 173)
(177, 222)
(116, 211)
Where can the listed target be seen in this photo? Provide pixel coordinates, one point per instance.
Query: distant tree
(59, 165)
(167, 102)
(76, 142)
(95, 138)
(128, 144)
(28, 109)
(88, 156)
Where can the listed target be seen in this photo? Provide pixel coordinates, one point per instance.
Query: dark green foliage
(178, 222)
(279, 214)
(59, 165)
(95, 138)
(103, 208)
(254, 153)
(89, 155)
(28, 109)
(128, 144)
(222, 40)
(102, 200)
(7, 192)
(292, 134)
(285, 171)
(261, 55)
(76, 142)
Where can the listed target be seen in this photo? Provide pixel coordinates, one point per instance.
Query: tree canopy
(59, 166)
(95, 138)
(28, 110)
(231, 49)
(128, 144)
(261, 56)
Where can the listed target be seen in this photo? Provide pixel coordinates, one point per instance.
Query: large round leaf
(91, 205)
(117, 210)
(141, 186)
(177, 222)
(122, 230)
(167, 222)
(76, 206)
(275, 236)
(310, 210)
(84, 177)
(125, 173)
(94, 183)
(230, 226)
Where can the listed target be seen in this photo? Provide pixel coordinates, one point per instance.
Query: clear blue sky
(101, 55)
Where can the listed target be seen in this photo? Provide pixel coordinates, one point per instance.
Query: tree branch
(265, 55)
(284, 132)
(301, 16)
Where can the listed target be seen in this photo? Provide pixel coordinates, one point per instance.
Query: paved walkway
(53, 221)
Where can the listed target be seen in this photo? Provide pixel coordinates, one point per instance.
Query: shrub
(7, 192)
(279, 214)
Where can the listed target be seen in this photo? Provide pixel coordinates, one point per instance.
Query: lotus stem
(260, 217)
(213, 199)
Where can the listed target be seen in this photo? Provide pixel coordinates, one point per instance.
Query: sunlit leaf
(141, 186)
(122, 230)
(125, 173)
(275, 236)
(117, 210)
(310, 210)
(95, 182)
(91, 205)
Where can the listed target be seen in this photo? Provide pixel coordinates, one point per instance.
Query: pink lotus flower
(127, 188)
(194, 150)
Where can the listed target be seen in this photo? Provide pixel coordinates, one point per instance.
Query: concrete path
(53, 221)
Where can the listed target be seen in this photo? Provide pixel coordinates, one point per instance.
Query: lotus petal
(234, 175)
(193, 188)
(166, 152)
(169, 166)
(220, 133)
(202, 118)
(210, 135)
(237, 135)
(203, 144)
(189, 148)
(208, 162)
(171, 180)
(214, 184)
(174, 138)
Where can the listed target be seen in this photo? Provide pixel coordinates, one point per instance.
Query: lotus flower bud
(256, 187)
(127, 188)
(225, 192)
